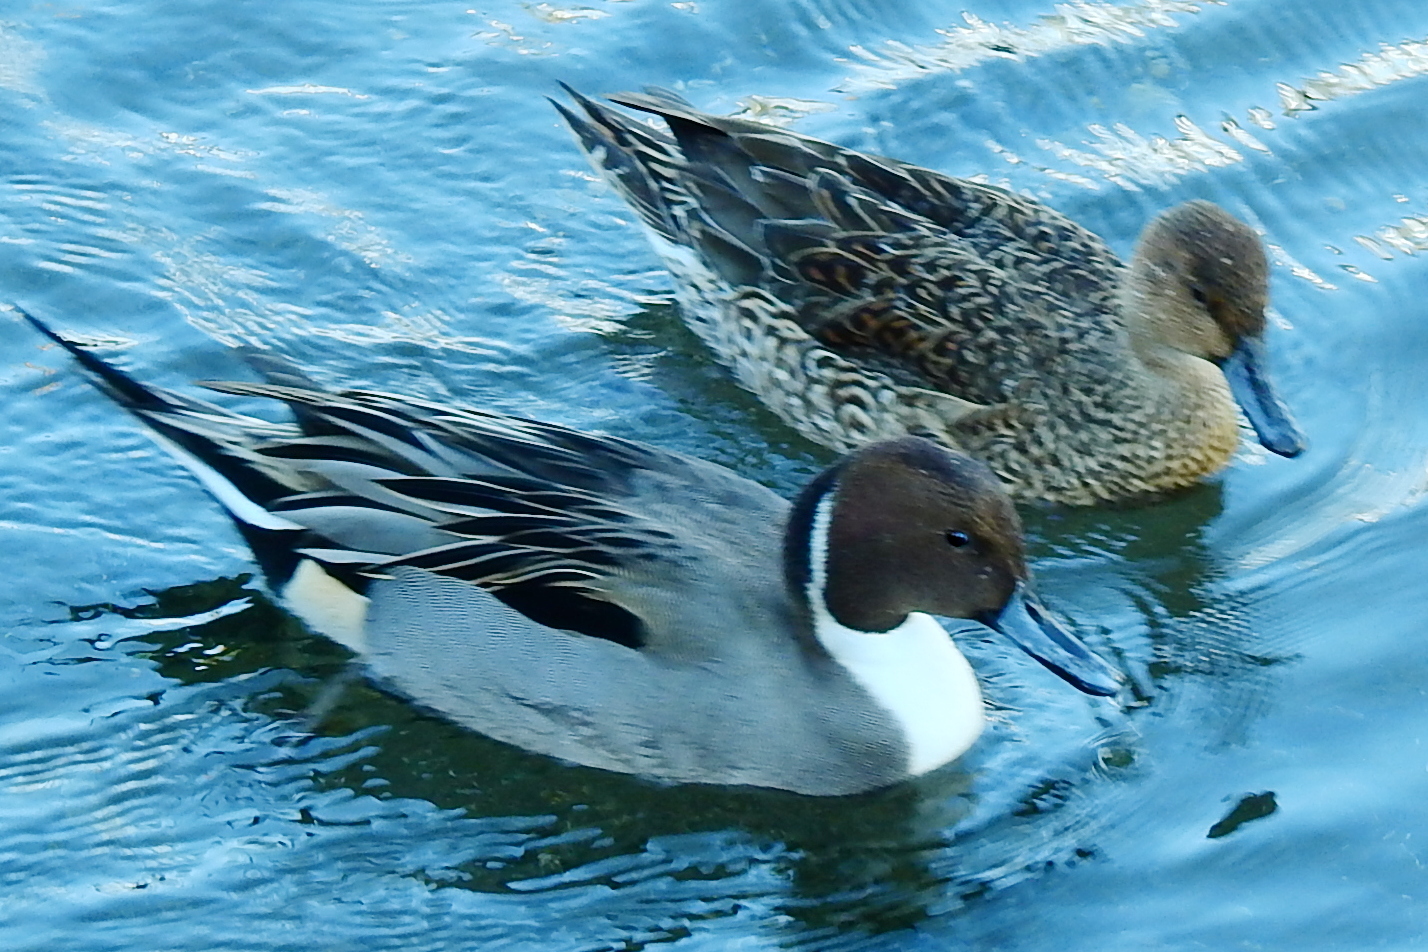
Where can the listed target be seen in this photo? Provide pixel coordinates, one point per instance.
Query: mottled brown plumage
(862, 298)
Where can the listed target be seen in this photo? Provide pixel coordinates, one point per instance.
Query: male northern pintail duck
(862, 298)
(622, 606)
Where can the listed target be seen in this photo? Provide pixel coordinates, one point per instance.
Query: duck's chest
(1114, 442)
(918, 677)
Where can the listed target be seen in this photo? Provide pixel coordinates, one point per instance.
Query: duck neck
(852, 601)
(1142, 308)
(814, 582)
(1187, 393)
(1184, 401)
(911, 669)
(817, 580)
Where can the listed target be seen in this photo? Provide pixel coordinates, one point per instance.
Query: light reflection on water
(381, 193)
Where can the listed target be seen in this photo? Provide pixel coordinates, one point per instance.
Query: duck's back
(937, 282)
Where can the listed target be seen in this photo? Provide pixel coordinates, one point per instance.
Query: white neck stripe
(818, 547)
(913, 671)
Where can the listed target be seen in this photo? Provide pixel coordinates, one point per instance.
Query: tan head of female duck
(1196, 291)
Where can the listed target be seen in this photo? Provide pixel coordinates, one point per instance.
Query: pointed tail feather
(633, 157)
(189, 430)
(122, 388)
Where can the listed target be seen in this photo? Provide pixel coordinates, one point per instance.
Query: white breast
(914, 671)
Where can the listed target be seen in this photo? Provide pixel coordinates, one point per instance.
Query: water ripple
(1073, 24)
(1389, 64)
(380, 191)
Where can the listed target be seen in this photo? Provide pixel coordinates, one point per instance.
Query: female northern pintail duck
(622, 606)
(863, 298)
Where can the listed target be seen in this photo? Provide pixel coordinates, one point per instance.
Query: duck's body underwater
(863, 298)
(618, 605)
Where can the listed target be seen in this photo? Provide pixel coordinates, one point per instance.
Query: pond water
(380, 191)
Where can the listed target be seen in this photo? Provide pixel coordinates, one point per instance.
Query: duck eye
(956, 538)
(1199, 296)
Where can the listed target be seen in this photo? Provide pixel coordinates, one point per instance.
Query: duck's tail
(211, 443)
(695, 189)
(639, 161)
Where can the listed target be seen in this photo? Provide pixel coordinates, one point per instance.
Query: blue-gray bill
(1250, 385)
(1032, 629)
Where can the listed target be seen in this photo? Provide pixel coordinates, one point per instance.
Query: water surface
(380, 192)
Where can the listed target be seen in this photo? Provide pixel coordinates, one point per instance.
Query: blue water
(380, 191)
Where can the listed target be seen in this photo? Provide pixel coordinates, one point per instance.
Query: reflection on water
(380, 192)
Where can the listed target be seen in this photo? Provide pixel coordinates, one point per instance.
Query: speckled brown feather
(862, 298)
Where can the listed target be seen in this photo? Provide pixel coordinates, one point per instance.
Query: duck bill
(1032, 629)
(1250, 385)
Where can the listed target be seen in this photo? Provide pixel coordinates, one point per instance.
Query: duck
(617, 605)
(862, 298)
